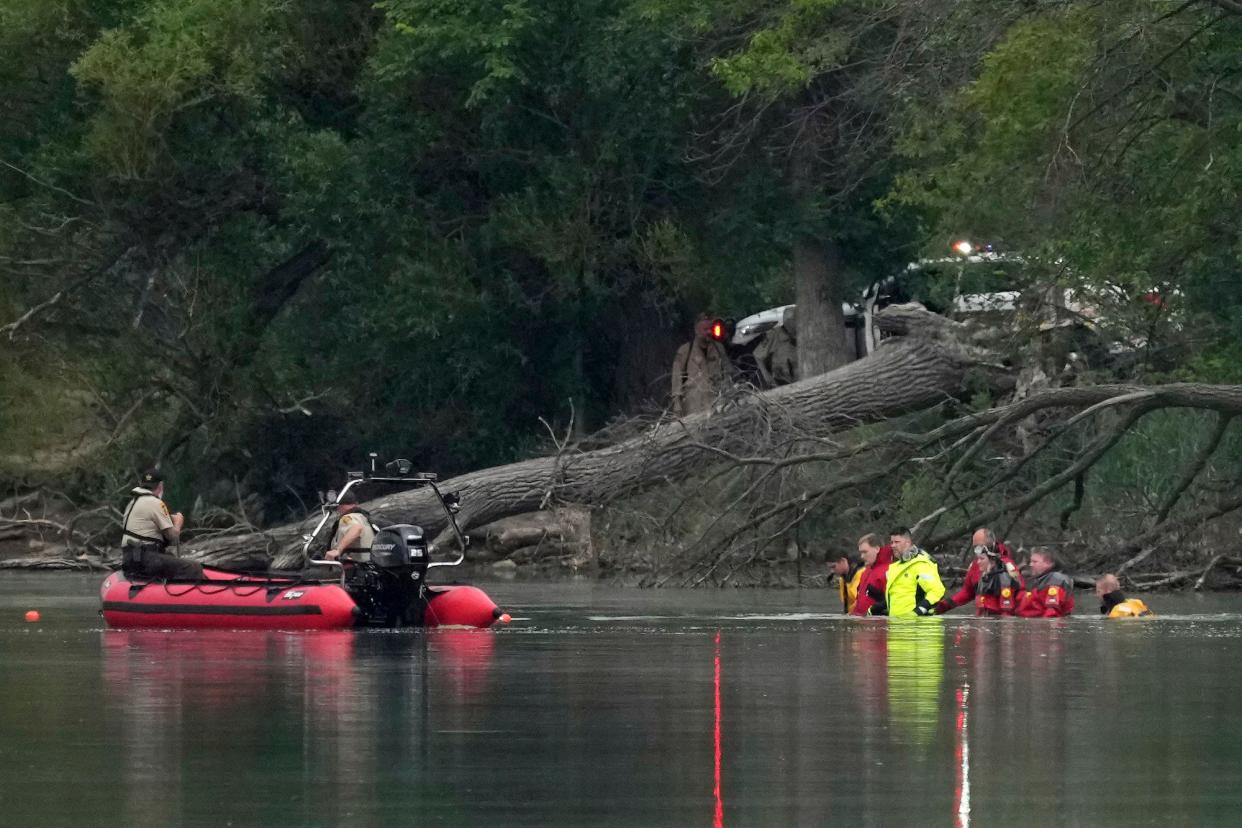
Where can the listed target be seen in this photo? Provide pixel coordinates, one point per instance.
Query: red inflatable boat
(383, 586)
(231, 601)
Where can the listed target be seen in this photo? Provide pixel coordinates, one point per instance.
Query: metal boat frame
(401, 469)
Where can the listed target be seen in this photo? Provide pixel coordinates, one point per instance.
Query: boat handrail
(428, 479)
(462, 540)
(416, 481)
(421, 479)
(327, 562)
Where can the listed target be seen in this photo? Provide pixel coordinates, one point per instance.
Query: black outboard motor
(401, 547)
(390, 589)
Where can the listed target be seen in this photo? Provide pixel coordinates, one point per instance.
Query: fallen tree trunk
(930, 364)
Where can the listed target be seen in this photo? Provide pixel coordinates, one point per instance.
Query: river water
(604, 706)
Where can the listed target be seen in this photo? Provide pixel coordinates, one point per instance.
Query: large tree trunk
(817, 272)
(642, 345)
(906, 374)
(821, 324)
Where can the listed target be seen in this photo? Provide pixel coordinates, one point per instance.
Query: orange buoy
(32, 616)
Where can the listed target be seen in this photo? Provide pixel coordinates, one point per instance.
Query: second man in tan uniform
(354, 532)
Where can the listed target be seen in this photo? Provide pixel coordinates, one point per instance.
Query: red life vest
(996, 593)
(1051, 596)
(970, 589)
(877, 577)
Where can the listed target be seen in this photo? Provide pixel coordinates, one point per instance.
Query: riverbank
(41, 534)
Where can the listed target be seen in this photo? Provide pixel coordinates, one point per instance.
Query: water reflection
(961, 752)
(915, 660)
(717, 791)
(311, 707)
(716, 708)
(464, 658)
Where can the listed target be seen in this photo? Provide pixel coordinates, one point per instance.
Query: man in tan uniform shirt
(700, 370)
(148, 530)
(354, 532)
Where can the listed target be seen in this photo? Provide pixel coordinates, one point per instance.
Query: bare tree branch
(1192, 471)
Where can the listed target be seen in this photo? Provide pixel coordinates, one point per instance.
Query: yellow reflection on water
(915, 673)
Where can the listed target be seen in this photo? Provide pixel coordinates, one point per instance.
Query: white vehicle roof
(1001, 300)
(757, 324)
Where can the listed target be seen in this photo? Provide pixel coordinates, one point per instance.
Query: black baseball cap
(151, 478)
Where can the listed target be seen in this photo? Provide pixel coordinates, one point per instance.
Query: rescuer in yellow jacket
(1114, 603)
(914, 585)
(850, 572)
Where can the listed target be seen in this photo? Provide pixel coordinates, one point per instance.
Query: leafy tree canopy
(257, 238)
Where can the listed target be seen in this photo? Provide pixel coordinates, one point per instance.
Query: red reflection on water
(464, 660)
(214, 669)
(718, 820)
(961, 791)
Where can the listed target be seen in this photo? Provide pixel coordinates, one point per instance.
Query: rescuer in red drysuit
(877, 555)
(1051, 593)
(992, 579)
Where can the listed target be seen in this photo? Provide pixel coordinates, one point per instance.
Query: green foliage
(518, 203)
(791, 46)
(1220, 363)
(1113, 167)
(1132, 482)
(34, 414)
(486, 45)
(920, 495)
(495, 184)
(174, 58)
